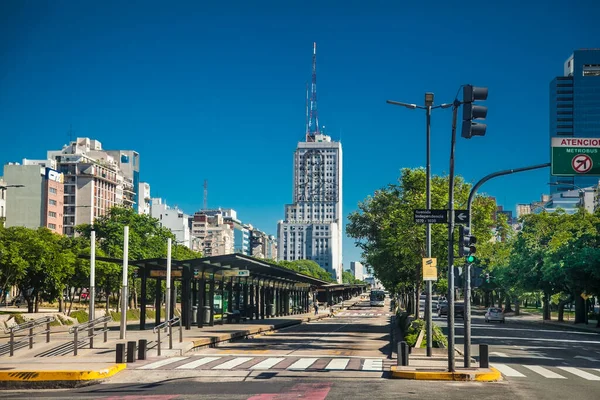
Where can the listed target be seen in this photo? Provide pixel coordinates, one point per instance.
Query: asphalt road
(345, 357)
(543, 361)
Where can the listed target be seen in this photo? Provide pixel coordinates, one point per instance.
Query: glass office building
(575, 109)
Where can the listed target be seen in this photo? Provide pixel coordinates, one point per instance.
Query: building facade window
(52, 226)
(52, 202)
(52, 214)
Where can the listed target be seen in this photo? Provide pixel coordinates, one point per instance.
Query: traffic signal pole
(467, 320)
(451, 361)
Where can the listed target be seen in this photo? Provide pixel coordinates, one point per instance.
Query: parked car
(459, 309)
(495, 314)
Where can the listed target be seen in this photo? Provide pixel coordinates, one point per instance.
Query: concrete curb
(480, 375)
(52, 379)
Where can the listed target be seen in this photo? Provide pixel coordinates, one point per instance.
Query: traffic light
(487, 278)
(466, 243)
(473, 112)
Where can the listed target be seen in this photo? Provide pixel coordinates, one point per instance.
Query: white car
(494, 314)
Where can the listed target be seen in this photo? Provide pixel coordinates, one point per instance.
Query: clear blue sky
(217, 92)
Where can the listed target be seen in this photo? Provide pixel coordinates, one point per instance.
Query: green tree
(393, 244)
(307, 267)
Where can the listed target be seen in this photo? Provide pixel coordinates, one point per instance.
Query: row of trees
(43, 265)
(551, 255)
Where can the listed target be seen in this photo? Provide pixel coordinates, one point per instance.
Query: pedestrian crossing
(363, 314)
(529, 371)
(230, 363)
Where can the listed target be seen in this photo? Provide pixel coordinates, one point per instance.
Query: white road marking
(197, 363)
(581, 374)
(302, 363)
(268, 363)
(233, 363)
(546, 373)
(496, 353)
(338, 363)
(373, 364)
(507, 371)
(162, 363)
(532, 339)
(494, 327)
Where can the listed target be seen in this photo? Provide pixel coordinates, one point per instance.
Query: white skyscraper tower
(312, 228)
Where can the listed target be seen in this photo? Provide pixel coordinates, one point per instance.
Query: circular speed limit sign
(582, 163)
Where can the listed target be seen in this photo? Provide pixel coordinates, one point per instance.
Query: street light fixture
(428, 107)
(4, 187)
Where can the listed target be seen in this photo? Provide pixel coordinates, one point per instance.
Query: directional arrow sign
(461, 217)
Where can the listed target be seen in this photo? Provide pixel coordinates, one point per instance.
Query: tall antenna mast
(205, 194)
(313, 121)
(307, 118)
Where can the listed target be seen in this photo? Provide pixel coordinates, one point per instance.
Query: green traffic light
(470, 259)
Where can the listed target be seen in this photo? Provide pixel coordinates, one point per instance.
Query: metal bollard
(484, 356)
(31, 338)
(131, 351)
(404, 349)
(158, 341)
(170, 337)
(120, 353)
(142, 348)
(48, 332)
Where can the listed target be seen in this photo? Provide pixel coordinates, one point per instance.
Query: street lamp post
(427, 107)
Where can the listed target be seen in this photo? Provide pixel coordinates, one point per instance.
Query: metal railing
(90, 327)
(31, 325)
(168, 326)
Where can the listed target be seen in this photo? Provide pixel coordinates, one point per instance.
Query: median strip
(55, 378)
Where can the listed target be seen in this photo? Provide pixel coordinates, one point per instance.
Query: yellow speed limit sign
(430, 269)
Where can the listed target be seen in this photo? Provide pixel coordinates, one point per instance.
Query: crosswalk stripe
(338, 363)
(268, 363)
(197, 363)
(546, 373)
(233, 363)
(581, 374)
(303, 363)
(373, 364)
(162, 363)
(508, 371)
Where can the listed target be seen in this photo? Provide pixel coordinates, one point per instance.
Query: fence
(90, 327)
(168, 327)
(31, 325)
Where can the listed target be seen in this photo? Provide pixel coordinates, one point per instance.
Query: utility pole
(428, 327)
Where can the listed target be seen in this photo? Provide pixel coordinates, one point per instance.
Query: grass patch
(81, 316)
(415, 328)
(19, 319)
(63, 320)
(132, 315)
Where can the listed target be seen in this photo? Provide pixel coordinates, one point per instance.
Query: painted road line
(233, 363)
(546, 373)
(197, 363)
(373, 364)
(500, 328)
(507, 371)
(268, 363)
(162, 363)
(338, 363)
(302, 363)
(533, 339)
(581, 374)
(496, 353)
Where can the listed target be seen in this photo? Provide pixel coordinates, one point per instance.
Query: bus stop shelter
(332, 293)
(230, 287)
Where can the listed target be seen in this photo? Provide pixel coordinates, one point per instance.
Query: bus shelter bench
(236, 316)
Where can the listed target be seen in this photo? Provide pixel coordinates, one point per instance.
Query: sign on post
(430, 269)
(575, 156)
(431, 216)
(461, 217)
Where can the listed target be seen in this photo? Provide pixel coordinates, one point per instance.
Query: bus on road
(377, 298)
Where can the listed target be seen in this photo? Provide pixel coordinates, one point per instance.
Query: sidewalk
(28, 370)
(537, 318)
(435, 368)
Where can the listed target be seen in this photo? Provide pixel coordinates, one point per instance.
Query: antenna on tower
(306, 106)
(313, 121)
(205, 204)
